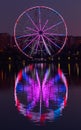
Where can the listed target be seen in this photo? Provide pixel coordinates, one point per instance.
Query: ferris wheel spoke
(29, 28)
(30, 43)
(39, 12)
(51, 41)
(23, 36)
(45, 24)
(53, 26)
(38, 42)
(32, 50)
(32, 21)
(46, 47)
(41, 47)
(54, 34)
(51, 48)
(26, 40)
(35, 45)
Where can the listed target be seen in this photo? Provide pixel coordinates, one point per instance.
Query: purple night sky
(69, 9)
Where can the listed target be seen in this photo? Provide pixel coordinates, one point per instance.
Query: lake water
(45, 76)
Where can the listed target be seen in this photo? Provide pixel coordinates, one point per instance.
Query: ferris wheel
(40, 32)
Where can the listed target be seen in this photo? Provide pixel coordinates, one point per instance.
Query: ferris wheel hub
(40, 32)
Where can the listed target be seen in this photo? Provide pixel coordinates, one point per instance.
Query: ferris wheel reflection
(41, 92)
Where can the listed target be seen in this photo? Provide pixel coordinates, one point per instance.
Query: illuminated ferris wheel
(40, 32)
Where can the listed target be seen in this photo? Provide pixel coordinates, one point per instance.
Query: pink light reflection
(45, 95)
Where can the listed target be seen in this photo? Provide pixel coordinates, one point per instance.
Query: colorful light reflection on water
(41, 92)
